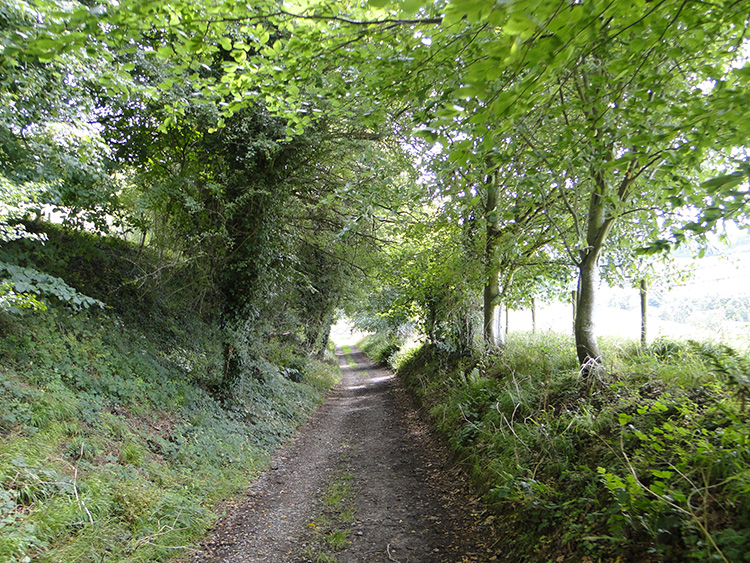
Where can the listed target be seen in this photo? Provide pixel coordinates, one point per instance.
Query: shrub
(649, 453)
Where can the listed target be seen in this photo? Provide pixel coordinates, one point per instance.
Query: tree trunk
(574, 301)
(431, 322)
(466, 334)
(493, 333)
(587, 346)
(320, 354)
(644, 312)
(493, 315)
(533, 315)
(598, 226)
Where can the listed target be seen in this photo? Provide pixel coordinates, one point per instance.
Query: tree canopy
(482, 148)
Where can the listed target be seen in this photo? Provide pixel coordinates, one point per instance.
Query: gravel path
(409, 503)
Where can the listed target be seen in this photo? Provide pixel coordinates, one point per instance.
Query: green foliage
(729, 365)
(25, 284)
(258, 184)
(381, 347)
(682, 471)
(112, 436)
(12, 301)
(647, 454)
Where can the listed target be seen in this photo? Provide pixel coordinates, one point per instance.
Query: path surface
(409, 502)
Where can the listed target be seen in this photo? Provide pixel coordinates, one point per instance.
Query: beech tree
(615, 105)
(604, 111)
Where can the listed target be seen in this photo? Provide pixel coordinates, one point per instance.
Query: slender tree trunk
(574, 302)
(320, 354)
(598, 226)
(493, 333)
(493, 315)
(533, 315)
(644, 313)
(431, 322)
(466, 334)
(587, 346)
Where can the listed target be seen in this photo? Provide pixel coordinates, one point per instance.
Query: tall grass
(644, 458)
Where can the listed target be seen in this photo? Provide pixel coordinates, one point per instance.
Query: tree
(608, 100)
(617, 142)
(603, 110)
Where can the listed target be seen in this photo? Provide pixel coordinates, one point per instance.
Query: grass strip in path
(368, 458)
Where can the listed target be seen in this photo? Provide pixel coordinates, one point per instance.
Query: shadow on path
(410, 504)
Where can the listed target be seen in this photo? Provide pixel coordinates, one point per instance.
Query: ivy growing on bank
(117, 436)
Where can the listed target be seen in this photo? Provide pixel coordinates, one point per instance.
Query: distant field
(713, 304)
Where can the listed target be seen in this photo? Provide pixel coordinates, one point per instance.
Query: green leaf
(519, 25)
(427, 133)
(725, 182)
(657, 487)
(411, 7)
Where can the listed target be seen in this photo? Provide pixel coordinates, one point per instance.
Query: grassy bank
(645, 459)
(116, 438)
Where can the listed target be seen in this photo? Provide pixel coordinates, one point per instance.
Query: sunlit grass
(556, 447)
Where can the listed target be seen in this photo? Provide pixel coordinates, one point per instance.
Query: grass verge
(644, 459)
(116, 442)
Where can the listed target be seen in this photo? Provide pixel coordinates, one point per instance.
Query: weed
(652, 453)
(312, 554)
(339, 491)
(115, 443)
(329, 528)
(132, 454)
(337, 539)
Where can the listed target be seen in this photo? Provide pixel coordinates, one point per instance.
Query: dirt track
(408, 501)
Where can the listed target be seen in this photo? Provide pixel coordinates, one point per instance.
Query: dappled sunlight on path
(408, 503)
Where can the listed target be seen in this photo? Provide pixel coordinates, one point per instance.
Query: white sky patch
(427, 41)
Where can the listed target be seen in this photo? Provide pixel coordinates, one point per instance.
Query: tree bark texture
(587, 346)
(493, 333)
(493, 315)
(574, 301)
(644, 313)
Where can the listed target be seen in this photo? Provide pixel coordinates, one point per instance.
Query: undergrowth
(116, 440)
(381, 347)
(644, 459)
